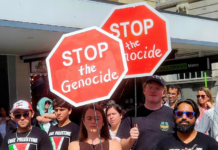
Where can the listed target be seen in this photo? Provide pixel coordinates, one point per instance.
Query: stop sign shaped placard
(145, 36)
(86, 66)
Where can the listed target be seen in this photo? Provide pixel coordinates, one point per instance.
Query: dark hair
(58, 102)
(175, 86)
(6, 110)
(190, 102)
(115, 106)
(110, 102)
(104, 132)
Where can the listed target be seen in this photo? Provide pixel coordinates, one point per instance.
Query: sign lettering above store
(184, 65)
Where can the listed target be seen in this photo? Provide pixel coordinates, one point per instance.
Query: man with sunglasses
(25, 137)
(174, 92)
(186, 112)
(154, 120)
(65, 131)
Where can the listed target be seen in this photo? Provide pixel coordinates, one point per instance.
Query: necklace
(93, 147)
(27, 134)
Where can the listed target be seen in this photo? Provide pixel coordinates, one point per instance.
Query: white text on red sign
(67, 85)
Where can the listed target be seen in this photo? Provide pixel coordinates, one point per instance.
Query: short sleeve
(74, 135)
(124, 128)
(204, 125)
(45, 143)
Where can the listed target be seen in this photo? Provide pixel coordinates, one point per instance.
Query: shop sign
(184, 65)
(38, 67)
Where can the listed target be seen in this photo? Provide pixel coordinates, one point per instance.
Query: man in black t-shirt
(154, 120)
(66, 131)
(25, 137)
(186, 112)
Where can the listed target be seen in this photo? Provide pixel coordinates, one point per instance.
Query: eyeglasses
(189, 114)
(47, 102)
(171, 94)
(25, 115)
(203, 96)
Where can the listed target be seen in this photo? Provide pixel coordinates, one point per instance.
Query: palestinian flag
(21, 146)
(56, 142)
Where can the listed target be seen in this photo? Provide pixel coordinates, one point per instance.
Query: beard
(185, 128)
(24, 126)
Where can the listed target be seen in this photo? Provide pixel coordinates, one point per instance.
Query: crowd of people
(161, 124)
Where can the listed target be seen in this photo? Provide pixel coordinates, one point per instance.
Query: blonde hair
(164, 90)
(208, 93)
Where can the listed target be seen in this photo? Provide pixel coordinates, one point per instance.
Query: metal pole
(97, 127)
(205, 78)
(135, 103)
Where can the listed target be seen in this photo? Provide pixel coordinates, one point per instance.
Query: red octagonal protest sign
(86, 66)
(145, 36)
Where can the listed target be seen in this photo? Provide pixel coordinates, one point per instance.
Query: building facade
(30, 29)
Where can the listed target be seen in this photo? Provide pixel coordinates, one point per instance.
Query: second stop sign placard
(145, 36)
(86, 66)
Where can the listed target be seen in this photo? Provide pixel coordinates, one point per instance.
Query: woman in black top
(88, 137)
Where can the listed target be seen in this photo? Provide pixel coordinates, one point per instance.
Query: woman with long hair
(114, 116)
(205, 101)
(88, 137)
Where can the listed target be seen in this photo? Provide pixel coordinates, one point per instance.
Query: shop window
(192, 75)
(39, 88)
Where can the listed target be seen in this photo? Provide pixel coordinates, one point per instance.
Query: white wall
(22, 80)
(68, 13)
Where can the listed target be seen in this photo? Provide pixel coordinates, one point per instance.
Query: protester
(103, 105)
(45, 114)
(154, 121)
(88, 136)
(11, 124)
(173, 95)
(205, 101)
(3, 120)
(114, 116)
(164, 99)
(209, 122)
(25, 136)
(66, 131)
(110, 102)
(186, 112)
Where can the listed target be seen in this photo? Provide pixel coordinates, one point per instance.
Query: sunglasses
(47, 102)
(25, 115)
(203, 96)
(189, 114)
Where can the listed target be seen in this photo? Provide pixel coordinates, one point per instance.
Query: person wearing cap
(45, 114)
(25, 137)
(65, 131)
(154, 120)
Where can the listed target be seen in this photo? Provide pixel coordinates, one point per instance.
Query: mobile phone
(194, 147)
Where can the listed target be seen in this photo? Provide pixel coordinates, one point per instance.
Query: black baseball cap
(157, 79)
